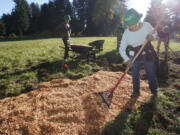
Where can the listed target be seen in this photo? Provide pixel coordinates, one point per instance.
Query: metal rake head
(106, 97)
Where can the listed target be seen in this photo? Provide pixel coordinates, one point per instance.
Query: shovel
(108, 94)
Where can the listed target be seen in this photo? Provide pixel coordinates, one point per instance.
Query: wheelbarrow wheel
(91, 57)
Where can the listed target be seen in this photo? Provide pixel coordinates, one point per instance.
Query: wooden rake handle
(134, 59)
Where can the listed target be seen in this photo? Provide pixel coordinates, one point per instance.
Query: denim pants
(166, 45)
(67, 46)
(150, 71)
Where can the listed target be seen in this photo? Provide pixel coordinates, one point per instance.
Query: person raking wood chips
(134, 37)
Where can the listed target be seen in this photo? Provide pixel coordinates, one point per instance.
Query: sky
(141, 6)
(6, 6)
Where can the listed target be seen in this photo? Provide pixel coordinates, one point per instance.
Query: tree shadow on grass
(58, 66)
(142, 125)
(44, 70)
(31, 68)
(44, 67)
(112, 57)
(111, 61)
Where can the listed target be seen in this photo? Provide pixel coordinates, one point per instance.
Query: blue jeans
(67, 46)
(150, 71)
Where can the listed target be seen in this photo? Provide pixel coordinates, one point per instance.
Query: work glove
(149, 37)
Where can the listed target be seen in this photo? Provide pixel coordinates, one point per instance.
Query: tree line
(89, 17)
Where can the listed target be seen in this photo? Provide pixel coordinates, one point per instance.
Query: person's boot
(135, 94)
(66, 57)
(155, 94)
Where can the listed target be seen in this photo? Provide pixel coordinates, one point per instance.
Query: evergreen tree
(34, 17)
(91, 27)
(80, 12)
(60, 7)
(9, 23)
(105, 15)
(43, 20)
(51, 18)
(174, 14)
(2, 29)
(21, 15)
(69, 9)
(48, 18)
(157, 13)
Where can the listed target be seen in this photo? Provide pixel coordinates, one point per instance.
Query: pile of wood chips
(66, 107)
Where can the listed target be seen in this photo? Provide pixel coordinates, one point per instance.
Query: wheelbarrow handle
(64, 48)
(134, 59)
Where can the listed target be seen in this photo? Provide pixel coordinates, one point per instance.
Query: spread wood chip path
(66, 107)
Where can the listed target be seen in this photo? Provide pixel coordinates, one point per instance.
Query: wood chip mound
(66, 107)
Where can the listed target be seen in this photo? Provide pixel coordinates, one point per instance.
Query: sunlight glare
(140, 5)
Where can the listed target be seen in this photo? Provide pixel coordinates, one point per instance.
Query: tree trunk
(20, 33)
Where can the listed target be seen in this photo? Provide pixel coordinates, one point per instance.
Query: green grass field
(25, 64)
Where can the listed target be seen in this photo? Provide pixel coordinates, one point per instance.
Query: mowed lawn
(24, 64)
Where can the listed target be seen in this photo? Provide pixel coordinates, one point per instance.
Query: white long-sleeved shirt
(135, 39)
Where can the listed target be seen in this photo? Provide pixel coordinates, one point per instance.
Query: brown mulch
(66, 107)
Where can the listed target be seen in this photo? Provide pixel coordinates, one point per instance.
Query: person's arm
(150, 29)
(123, 46)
